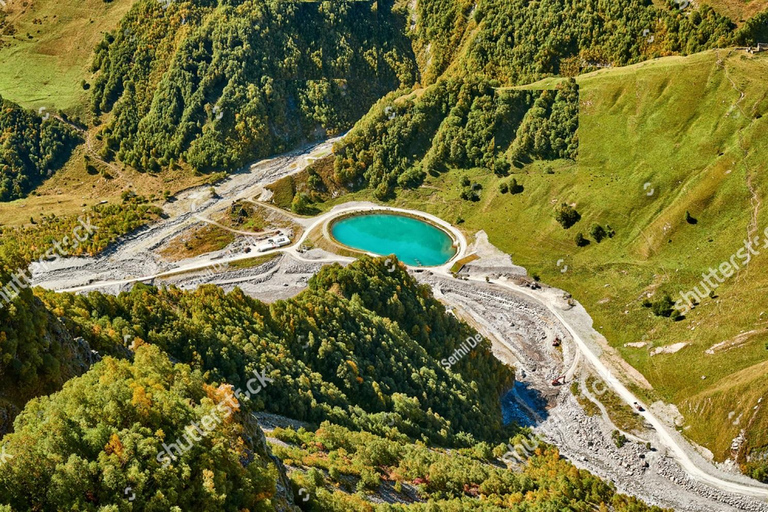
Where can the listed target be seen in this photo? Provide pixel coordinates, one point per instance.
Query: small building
(273, 243)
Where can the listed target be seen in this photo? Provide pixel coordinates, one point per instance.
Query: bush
(411, 178)
(301, 204)
(664, 306)
(566, 215)
(503, 187)
(470, 194)
(598, 233)
(581, 240)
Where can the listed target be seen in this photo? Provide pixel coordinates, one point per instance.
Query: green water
(413, 242)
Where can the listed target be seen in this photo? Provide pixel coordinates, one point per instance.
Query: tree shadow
(532, 413)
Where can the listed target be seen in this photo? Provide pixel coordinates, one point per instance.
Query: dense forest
(361, 347)
(457, 124)
(335, 462)
(31, 149)
(519, 41)
(217, 84)
(37, 353)
(95, 444)
(356, 354)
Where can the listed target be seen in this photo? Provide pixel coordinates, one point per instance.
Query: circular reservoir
(413, 241)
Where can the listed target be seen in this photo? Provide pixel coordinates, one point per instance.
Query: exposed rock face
(284, 500)
(41, 347)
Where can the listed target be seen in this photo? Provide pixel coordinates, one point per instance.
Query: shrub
(664, 306)
(411, 178)
(566, 215)
(598, 233)
(581, 240)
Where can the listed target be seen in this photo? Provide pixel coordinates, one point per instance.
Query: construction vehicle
(559, 381)
(638, 407)
(556, 342)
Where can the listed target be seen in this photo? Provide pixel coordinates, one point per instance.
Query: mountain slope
(219, 85)
(518, 42)
(38, 353)
(362, 348)
(99, 442)
(656, 140)
(123, 434)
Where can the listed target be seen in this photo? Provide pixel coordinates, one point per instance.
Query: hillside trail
(689, 485)
(755, 201)
(92, 152)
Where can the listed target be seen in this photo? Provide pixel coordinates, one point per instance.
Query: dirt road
(522, 322)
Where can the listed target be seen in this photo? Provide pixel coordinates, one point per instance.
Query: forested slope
(96, 445)
(219, 84)
(456, 480)
(357, 351)
(519, 41)
(31, 149)
(457, 124)
(37, 353)
(216, 84)
(361, 348)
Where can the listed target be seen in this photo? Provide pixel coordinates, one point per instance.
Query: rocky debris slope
(526, 329)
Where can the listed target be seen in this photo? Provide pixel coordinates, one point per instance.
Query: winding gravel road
(692, 484)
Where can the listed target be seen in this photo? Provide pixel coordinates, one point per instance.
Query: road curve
(680, 454)
(670, 441)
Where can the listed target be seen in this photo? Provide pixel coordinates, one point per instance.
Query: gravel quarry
(488, 294)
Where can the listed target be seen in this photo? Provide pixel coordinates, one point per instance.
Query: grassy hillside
(46, 47)
(738, 10)
(657, 140)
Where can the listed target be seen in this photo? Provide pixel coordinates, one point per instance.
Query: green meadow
(656, 140)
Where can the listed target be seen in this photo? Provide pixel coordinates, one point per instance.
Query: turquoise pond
(414, 242)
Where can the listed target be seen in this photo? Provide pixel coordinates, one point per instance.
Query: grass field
(200, 240)
(738, 11)
(656, 140)
(49, 52)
